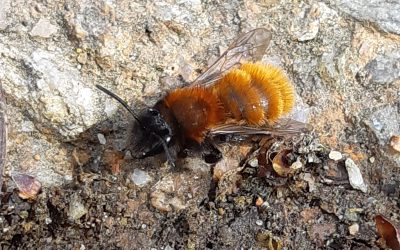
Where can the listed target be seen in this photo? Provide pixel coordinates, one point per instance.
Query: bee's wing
(249, 46)
(284, 127)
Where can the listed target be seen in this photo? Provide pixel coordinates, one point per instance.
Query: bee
(236, 95)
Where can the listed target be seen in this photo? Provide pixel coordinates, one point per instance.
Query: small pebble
(310, 180)
(43, 29)
(353, 229)
(140, 177)
(296, 165)
(372, 159)
(76, 208)
(102, 139)
(82, 58)
(253, 162)
(259, 222)
(335, 155)
(48, 220)
(395, 142)
(355, 177)
(36, 157)
(259, 201)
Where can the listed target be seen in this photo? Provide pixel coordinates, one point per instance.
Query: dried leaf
(282, 165)
(395, 143)
(80, 157)
(114, 159)
(388, 232)
(27, 185)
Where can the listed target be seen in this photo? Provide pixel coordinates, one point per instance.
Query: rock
(308, 19)
(5, 7)
(395, 143)
(58, 100)
(355, 177)
(82, 58)
(76, 208)
(384, 123)
(352, 214)
(384, 68)
(140, 177)
(320, 232)
(296, 165)
(28, 186)
(101, 139)
(335, 155)
(353, 229)
(43, 29)
(372, 159)
(54, 166)
(310, 180)
(384, 13)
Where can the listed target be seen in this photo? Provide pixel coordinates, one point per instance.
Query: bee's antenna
(123, 103)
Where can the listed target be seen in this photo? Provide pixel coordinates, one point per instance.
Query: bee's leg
(211, 153)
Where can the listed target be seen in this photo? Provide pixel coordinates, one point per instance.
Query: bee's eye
(153, 112)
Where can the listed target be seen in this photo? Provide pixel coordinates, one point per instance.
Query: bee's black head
(149, 133)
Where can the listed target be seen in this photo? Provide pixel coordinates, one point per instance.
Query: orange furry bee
(235, 96)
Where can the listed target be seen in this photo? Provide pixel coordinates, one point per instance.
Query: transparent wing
(249, 46)
(284, 127)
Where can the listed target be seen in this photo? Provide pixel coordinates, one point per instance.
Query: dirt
(102, 207)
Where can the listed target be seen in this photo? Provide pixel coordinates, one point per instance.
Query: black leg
(211, 153)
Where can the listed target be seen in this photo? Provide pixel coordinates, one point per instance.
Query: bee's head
(149, 132)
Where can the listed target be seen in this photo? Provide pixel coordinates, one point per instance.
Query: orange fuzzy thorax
(196, 110)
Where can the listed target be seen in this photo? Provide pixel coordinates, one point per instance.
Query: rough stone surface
(384, 123)
(43, 29)
(342, 56)
(384, 14)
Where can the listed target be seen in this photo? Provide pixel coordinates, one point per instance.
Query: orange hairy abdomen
(196, 110)
(238, 97)
(256, 93)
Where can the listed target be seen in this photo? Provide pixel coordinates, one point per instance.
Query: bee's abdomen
(196, 110)
(256, 93)
(239, 98)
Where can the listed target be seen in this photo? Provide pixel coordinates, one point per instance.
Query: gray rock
(76, 208)
(140, 177)
(5, 7)
(43, 29)
(355, 176)
(51, 91)
(384, 123)
(102, 139)
(385, 68)
(384, 13)
(335, 155)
